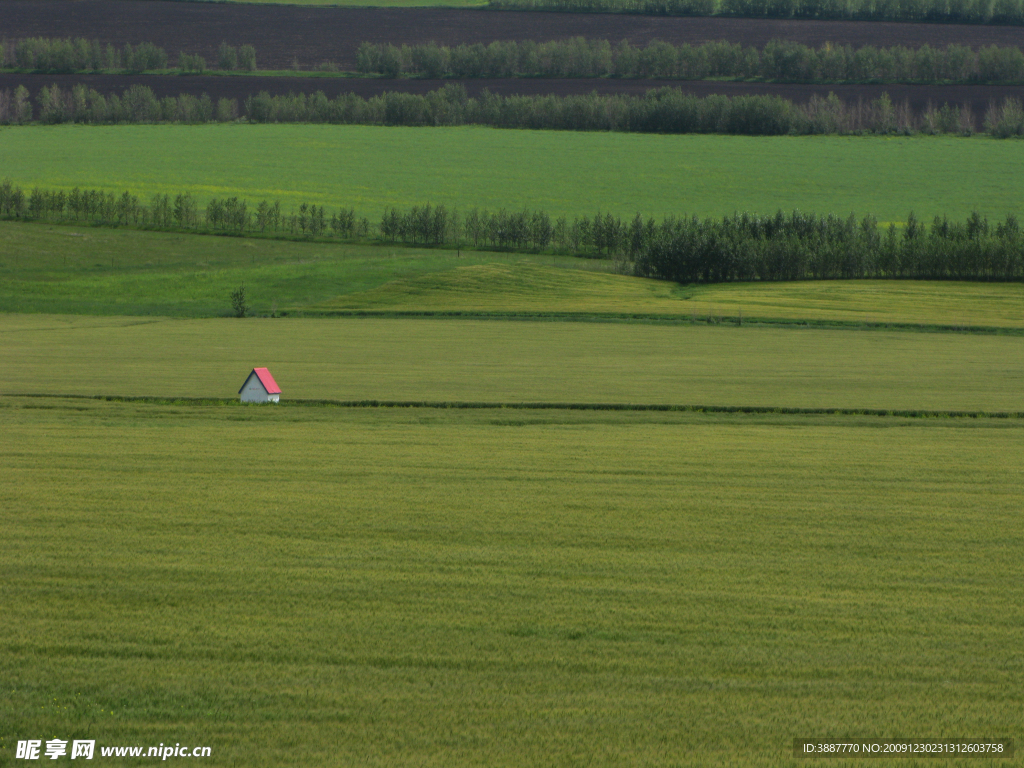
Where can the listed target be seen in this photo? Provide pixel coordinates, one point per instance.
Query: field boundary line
(662, 319)
(537, 406)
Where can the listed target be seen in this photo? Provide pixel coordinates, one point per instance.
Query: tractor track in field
(532, 406)
(285, 34)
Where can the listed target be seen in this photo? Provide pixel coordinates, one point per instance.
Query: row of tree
(778, 60)
(136, 104)
(230, 58)
(48, 54)
(804, 246)
(741, 247)
(665, 110)
(230, 215)
(66, 55)
(941, 11)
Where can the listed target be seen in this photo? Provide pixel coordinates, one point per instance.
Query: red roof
(267, 381)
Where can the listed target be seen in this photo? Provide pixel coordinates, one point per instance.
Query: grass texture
(302, 586)
(90, 270)
(502, 361)
(563, 173)
(536, 287)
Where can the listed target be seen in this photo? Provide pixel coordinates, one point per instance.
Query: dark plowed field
(240, 87)
(282, 34)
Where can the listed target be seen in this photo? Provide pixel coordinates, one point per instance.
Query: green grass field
(91, 270)
(513, 361)
(299, 585)
(532, 286)
(98, 271)
(563, 173)
(303, 586)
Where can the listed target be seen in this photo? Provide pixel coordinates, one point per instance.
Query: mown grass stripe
(466, 405)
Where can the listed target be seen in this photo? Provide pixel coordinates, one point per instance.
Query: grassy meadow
(513, 362)
(303, 586)
(299, 585)
(93, 270)
(532, 286)
(871, 301)
(567, 173)
(102, 271)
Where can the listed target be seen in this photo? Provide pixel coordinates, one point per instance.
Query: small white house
(260, 387)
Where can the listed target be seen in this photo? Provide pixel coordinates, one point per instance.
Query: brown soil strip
(283, 34)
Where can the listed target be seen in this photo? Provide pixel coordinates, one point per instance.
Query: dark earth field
(284, 34)
(240, 87)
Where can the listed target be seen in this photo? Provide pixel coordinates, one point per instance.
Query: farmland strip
(568, 406)
(741, 247)
(284, 35)
(574, 58)
(918, 97)
(1009, 12)
(667, 110)
(778, 60)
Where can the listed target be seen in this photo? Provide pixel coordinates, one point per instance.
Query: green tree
(247, 58)
(227, 110)
(238, 301)
(227, 57)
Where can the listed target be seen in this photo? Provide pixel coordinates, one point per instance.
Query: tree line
(664, 110)
(778, 60)
(1009, 12)
(741, 247)
(226, 216)
(136, 104)
(47, 54)
(803, 246)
